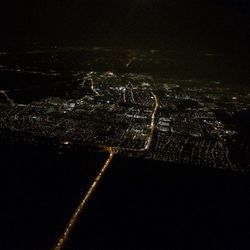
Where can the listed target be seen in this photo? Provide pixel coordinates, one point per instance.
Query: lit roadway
(75, 216)
(2, 92)
(151, 130)
(112, 151)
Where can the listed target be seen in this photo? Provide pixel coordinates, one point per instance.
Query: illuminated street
(83, 203)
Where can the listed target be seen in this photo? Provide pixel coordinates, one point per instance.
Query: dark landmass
(54, 93)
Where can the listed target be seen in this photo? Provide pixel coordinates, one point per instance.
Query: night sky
(207, 23)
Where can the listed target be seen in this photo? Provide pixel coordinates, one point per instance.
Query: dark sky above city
(201, 23)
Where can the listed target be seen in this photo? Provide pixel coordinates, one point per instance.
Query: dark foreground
(138, 205)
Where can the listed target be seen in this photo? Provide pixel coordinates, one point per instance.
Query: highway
(7, 97)
(82, 205)
(150, 133)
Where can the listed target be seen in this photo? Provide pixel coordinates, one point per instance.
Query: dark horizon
(208, 24)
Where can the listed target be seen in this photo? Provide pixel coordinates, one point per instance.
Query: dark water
(39, 191)
(138, 205)
(150, 205)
